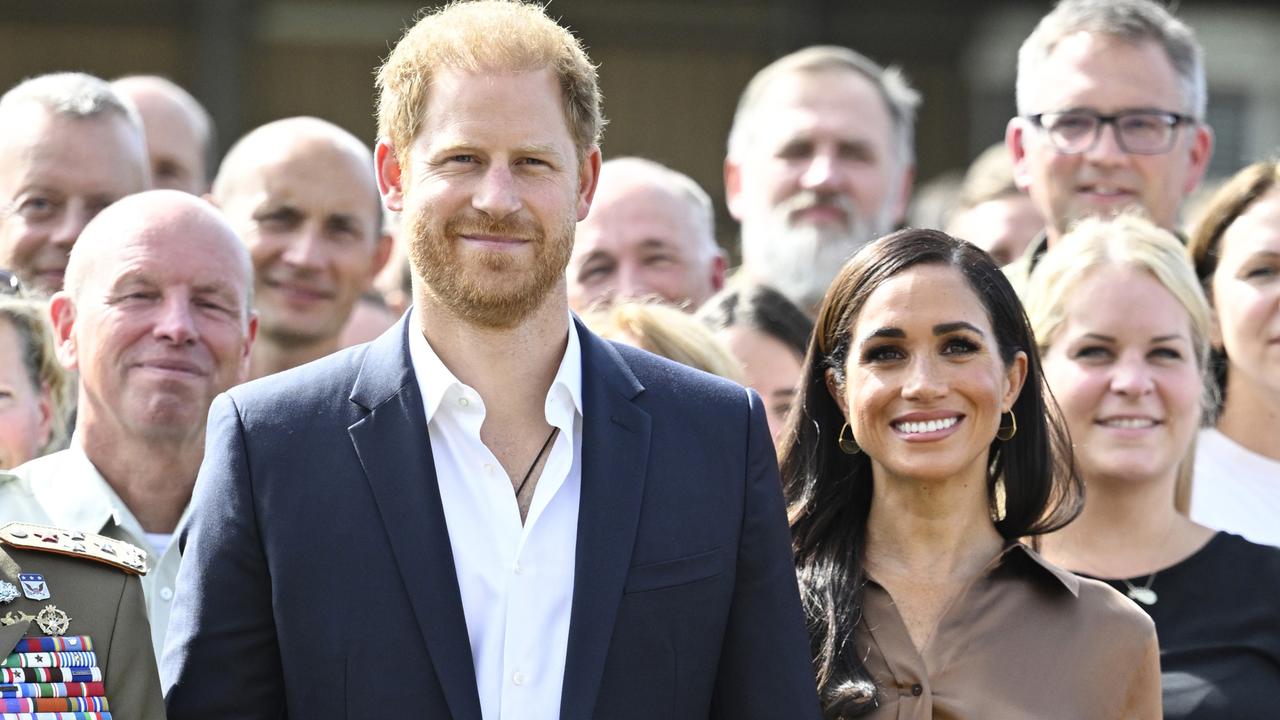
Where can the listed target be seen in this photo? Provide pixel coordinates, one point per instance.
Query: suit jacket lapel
(615, 453)
(395, 451)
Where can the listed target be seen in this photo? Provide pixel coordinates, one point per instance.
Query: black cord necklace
(528, 474)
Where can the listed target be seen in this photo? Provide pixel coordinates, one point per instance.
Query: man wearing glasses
(1111, 101)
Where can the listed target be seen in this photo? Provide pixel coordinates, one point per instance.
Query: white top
(75, 496)
(516, 580)
(1236, 489)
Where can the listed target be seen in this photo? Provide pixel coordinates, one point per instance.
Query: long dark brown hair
(829, 492)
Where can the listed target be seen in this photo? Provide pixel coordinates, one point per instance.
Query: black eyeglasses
(1142, 132)
(9, 284)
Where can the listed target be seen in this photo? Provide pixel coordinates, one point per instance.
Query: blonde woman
(665, 331)
(34, 390)
(1124, 331)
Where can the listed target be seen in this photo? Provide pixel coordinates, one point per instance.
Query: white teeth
(927, 426)
(1129, 423)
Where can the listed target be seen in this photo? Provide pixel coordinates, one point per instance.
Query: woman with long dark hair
(922, 448)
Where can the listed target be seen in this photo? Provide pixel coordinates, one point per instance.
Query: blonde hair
(1133, 242)
(485, 36)
(30, 322)
(665, 331)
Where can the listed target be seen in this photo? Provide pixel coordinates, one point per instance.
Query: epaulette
(108, 551)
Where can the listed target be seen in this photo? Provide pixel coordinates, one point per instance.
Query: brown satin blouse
(1025, 640)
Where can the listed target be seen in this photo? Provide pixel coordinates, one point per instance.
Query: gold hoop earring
(1006, 432)
(848, 445)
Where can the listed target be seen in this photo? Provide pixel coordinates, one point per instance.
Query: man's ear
(1015, 139)
(719, 266)
(381, 254)
(250, 336)
(733, 188)
(903, 200)
(62, 314)
(390, 175)
(588, 178)
(1201, 153)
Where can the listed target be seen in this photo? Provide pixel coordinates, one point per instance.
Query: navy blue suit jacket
(318, 582)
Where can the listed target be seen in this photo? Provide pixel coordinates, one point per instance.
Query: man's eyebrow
(539, 149)
(655, 242)
(596, 254)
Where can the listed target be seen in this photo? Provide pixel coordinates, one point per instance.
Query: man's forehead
(464, 108)
(319, 179)
(1107, 74)
(192, 254)
(840, 104)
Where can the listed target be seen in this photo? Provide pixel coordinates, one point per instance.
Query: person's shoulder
(35, 467)
(1112, 615)
(320, 376)
(17, 501)
(1229, 550)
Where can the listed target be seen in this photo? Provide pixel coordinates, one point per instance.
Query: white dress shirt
(75, 496)
(516, 579)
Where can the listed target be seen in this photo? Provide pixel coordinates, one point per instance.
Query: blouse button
(917, 690)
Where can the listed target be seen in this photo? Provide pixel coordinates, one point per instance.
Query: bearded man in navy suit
(488, 512)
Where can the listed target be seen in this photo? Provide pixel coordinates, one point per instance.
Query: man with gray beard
(820, 162)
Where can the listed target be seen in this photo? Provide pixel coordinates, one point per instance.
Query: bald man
(179, 131)
(68, 148)
(302, 195)
(650, 233)
(156, 320)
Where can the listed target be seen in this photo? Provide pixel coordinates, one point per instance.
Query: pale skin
(157, 328)
(1138, 364)
(511, 368)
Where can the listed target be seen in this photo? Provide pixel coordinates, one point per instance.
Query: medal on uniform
(33, 586)
(8, 592)
(53, 621)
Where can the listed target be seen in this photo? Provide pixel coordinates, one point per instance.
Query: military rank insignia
(97, 548)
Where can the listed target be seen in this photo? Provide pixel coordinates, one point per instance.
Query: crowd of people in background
(1028, 455)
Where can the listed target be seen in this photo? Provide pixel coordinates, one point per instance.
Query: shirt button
(463, 402)
(916, 690)
(518, 678)
(518, 570)
(488, 468)
(166, 594)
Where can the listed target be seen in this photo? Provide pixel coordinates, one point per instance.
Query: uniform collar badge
(8, 592)
(34, 586)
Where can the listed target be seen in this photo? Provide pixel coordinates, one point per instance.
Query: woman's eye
(883, 353)
(959, 346)
(1260, 273)
(1092, 352)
